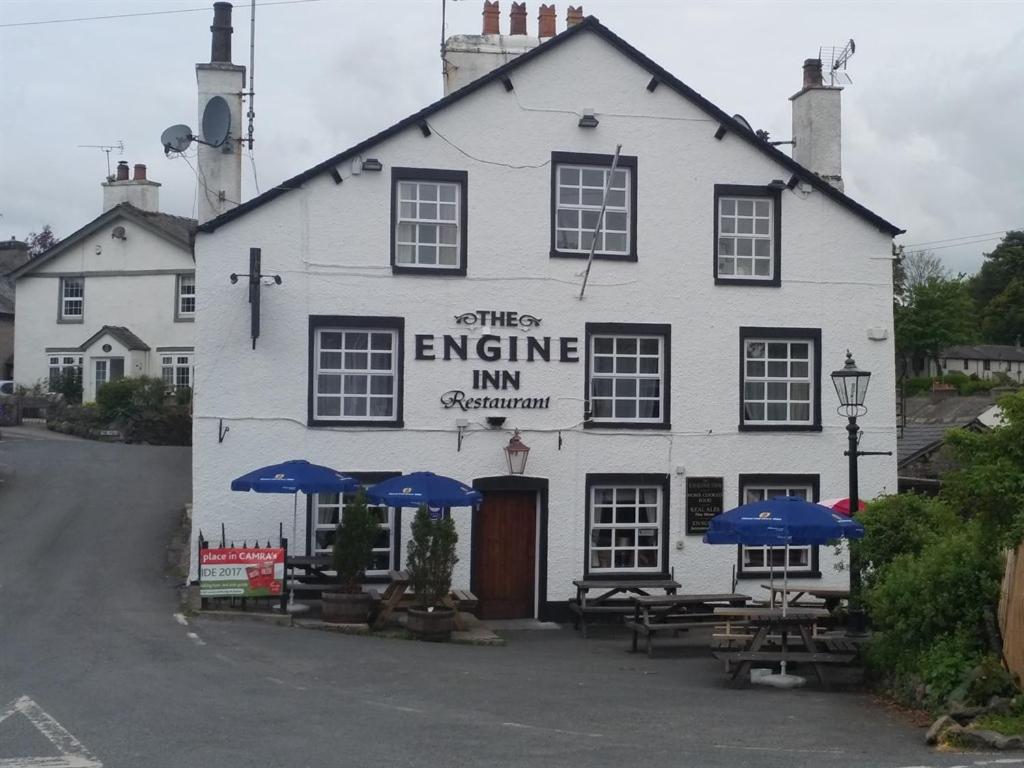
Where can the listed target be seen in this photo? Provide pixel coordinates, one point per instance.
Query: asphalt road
(94, 665)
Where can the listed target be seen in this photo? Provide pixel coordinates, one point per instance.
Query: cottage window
(72, 299)
(986, 365)
(176, 371)
(356, 375)
(578, 184)
(327, 508)
(186, 299)
(780, 378)
(58, 364)
(428, 221)
(627, 374)
(625, 528)
(759, 561)
(747, 236)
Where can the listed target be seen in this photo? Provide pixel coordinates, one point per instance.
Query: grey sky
(932, 121)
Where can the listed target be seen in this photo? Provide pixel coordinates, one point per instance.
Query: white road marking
(832, 751)
(553, 730)
(180, 618)
(286, 684)
(195, 638)
(73, 753)
(385, 705)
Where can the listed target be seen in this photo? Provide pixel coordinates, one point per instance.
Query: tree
(936, 314)
(998, 288)
(921, 266)
(41, 241)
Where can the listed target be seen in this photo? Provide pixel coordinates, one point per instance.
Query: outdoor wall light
(495, 421)
(372, 164)
(516, 452)
(588, 120)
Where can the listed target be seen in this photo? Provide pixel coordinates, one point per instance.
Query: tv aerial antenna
(108, 148)
(834, 60)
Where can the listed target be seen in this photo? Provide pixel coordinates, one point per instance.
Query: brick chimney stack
(573, 16)
(138, 191)
(491, 18)
(546, 21)
(518, 19)
(465, 58)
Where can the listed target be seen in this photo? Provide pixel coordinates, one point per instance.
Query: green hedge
(965, 385)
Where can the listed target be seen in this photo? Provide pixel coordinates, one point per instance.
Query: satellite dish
(216, 121)
(177, 138)
(742, 121)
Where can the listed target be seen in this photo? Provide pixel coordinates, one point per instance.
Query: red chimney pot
(491, 12)
(546, 21)
(812, 73)
(122, 170)
(140, 172)
(573, 16)
(518, 19)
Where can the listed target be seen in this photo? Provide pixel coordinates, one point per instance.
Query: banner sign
(704, 500)
(241, 572)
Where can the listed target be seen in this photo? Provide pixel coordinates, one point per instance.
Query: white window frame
(413, 222)
(57, 362)
(185, 296)
(333, 505)
(67, 300)
(597, 360)
(759, 491)
(617, 543)
(745, 220)
(366, 372)
(176, 369)
(762, 389)
(569, 198)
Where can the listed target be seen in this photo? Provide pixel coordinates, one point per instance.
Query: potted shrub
(353, 545)
(430, 562)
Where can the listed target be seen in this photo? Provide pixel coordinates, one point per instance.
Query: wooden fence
(1011, 611)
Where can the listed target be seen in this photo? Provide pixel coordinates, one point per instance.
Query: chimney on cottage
(220, 167)
(573, 16)
(466, 58)
(817, 125)
(138, 191)
(13, 254)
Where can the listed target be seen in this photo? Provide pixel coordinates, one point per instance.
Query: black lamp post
(851, 385)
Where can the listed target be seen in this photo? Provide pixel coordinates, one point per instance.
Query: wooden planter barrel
(435, 625)
(346, 607)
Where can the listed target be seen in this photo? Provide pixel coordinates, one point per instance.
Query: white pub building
(431, 303)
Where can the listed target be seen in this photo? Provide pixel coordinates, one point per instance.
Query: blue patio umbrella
(418, 488)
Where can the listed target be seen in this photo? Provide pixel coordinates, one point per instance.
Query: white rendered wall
(143, 194)
(220, 167)
(330, 243)
(817, 131)
(977, 368)
(469, 57)
(118, 291)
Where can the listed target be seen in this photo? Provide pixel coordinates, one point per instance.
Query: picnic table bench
(830, 596)
(397, 595)
(607, 601)
(675, 613)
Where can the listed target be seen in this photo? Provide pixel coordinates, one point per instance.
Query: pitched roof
(175, 229)
(592, 24)
(953, 410)
(985, 352)
(119, 332)
(6, 296)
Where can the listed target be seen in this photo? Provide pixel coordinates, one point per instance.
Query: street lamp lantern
(516, 452)
(851, 385)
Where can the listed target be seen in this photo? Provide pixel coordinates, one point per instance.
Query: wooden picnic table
(797, 622)
(313, 567)
(831, 596)
(607, 601)
(675, 612)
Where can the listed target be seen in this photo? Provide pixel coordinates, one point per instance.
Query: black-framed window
(429, 211)
(627, 381)
(780, 379)
(577, 189)
(356, 367)
(986, 365)
(748, 235)
(627, 524)
(71, 300)
(758, 562)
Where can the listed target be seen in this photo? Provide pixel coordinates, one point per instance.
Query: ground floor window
(328, 509)
(176, 370)
(59, 365)
(759, 561)
(626, 523)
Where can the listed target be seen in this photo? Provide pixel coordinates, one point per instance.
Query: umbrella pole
(295, 518)
(785, 602)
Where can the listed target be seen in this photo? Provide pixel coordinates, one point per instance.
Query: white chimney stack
(138, 191)
(220, 167)
(817, 126)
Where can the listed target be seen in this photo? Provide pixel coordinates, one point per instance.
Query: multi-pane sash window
(72, 298)
(625, 528)
(186, 295)
(176, 370)
(768, 558)
(578, 196)
(356, 374)
(428, 221)
(327, 508)
(777, 381)
(627, 378)
(58, 364)
(745, 237)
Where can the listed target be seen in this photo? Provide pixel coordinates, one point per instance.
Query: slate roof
(119, 332)
(177, 229)
(954, 410)
(920, 439)
(1004, 352)
(661, 75)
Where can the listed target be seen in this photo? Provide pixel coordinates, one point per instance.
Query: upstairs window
(428, 216)
(747, 235)
(628, 375)
(185, 304)
(577, 184)
(72, 299)
(780, 379)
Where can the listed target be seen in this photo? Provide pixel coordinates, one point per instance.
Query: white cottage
(431, 303)
(114, 299)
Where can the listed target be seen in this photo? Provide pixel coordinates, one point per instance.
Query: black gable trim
(594, 25)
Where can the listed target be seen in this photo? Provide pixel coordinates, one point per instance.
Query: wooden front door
(505, 563)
